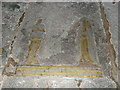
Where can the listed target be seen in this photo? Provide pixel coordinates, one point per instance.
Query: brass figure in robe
(34, 44)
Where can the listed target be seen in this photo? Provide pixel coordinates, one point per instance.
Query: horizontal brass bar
(40, 30)
(65, 71)
(43, 69)
(72, 71)
(57, 67)
(62, 75)
(34, 37)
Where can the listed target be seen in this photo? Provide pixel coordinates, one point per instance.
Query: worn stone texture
(58, 0)
(57, 82)
(1, 78)
(59, 28)
(9, 31)
(113, 21)
(98, 83)
(118, 45)
(113, 18)
(58, 45)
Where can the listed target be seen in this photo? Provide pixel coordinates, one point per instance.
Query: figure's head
(39, 22)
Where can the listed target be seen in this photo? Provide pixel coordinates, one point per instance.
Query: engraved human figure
(85, 56)
(34, 44)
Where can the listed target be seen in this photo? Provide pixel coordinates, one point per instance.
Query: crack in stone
(111, 50)
(11, 61)
(20, 21)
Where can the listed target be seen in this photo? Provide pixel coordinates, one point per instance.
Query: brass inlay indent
(85, 56)
(34, 45)
(33, 48)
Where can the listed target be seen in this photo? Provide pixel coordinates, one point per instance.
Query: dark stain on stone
(11, 5)
(113, 2)
(15, 6)
(78, 82)
(12, 62)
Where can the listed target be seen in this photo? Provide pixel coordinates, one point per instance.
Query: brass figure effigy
(86, 67)
(84, 44)
(34, 44)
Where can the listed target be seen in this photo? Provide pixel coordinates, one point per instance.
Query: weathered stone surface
(57, 82)
(11, 14)
(98, 83)
(58, 45)
(111, 45)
